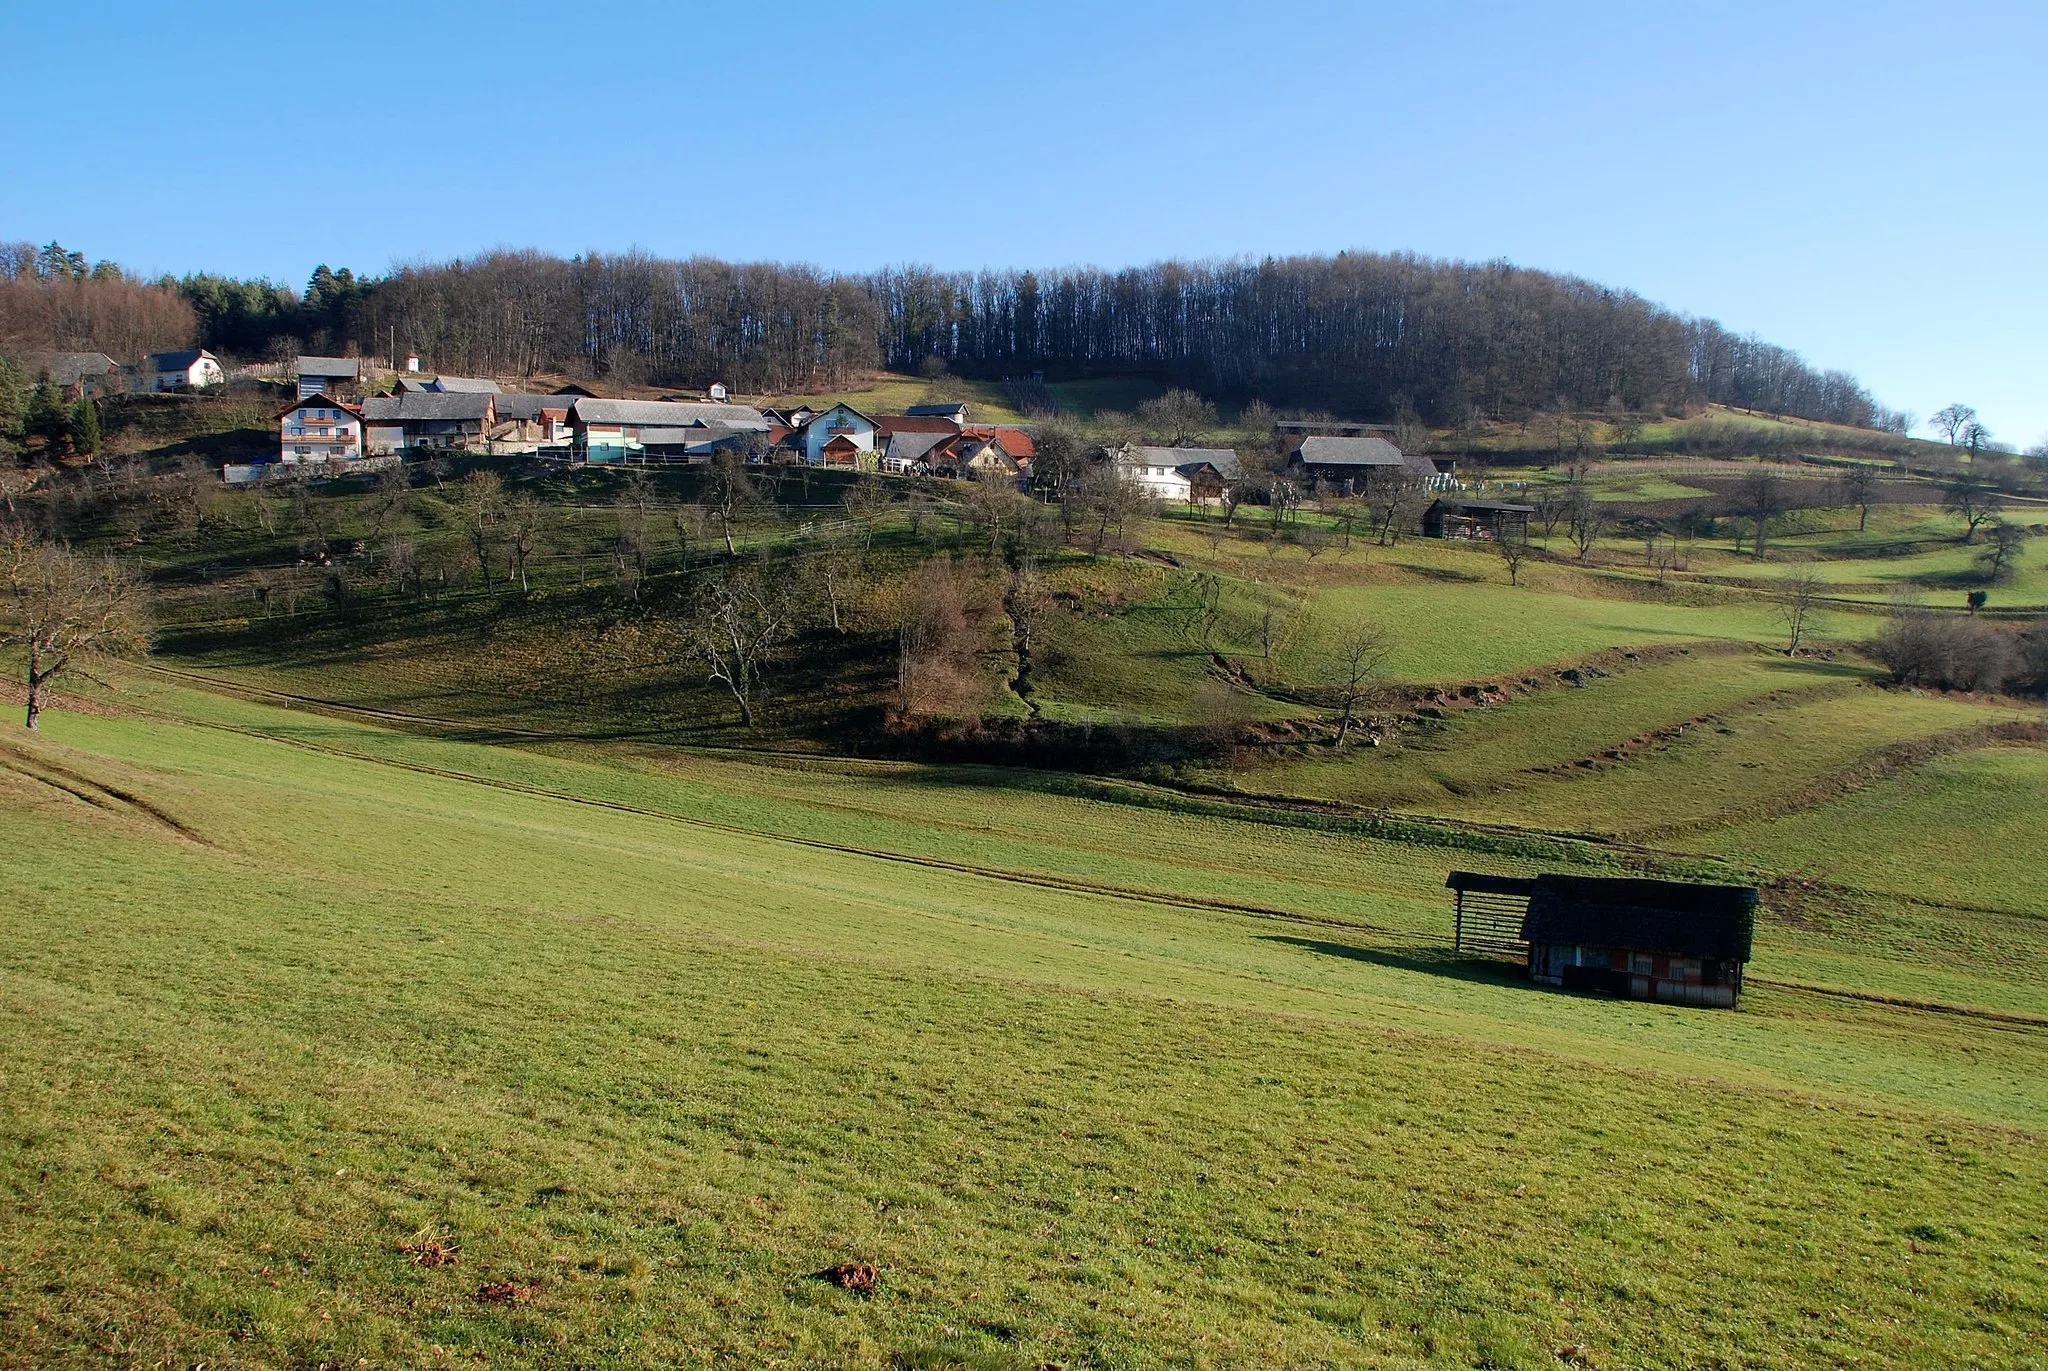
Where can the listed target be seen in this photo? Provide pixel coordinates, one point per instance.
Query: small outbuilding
(1676, 941)
(1482, 521)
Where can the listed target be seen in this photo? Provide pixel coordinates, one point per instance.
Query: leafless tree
(2003, 551)
(1859, 486)
(1973, 501)
(526, 523)
(1952, 421)
(1356, 660)
(389, 501)
(1397, 498)
(1178, 418)
(67, 613)
(1760, 497)
(1799, 604)
(1588, 519)
(1513, 550)
(737, 621)
(833, 567)
(480, 503)
(731, 499)
(946, 613)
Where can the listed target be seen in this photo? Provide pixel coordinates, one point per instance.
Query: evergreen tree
(14, 394)
(85, 427)
(46, 418)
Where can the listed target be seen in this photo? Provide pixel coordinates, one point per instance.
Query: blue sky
(1867, 183)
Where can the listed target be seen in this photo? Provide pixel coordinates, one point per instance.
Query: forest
(1363, 334)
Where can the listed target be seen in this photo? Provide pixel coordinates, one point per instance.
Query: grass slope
(654, 1072)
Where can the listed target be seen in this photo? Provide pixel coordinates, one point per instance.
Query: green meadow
(451, 981)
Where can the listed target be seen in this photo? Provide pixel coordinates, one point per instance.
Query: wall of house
(319, 434)
(822, 430)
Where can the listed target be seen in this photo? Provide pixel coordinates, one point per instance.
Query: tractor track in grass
(1136, 894)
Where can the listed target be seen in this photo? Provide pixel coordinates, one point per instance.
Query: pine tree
(46, 418)
(85, 427)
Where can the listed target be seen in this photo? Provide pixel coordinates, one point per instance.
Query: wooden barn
(1488, 521)
(1675, 941)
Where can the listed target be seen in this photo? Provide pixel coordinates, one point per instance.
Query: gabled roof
(831, 409)
(1187, 459)
(1673, 917)
(178, 361)
(572, 388)
(428, 407)
(935, 411)
(69, 368)
(515, 405)
(912, 445)
(915, 423)
(669, 414)
(465, 385)
(1015, 441)
(1324, 450)
(349, 367)
(320, 402)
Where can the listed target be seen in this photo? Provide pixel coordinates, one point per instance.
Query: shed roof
(349, 367)
(181, 360)
(934, 411)
(1673, 917)
(1486, 506)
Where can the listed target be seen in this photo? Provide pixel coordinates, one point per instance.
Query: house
(840, 420)
(525, 422)
(336, 376)
(1192, 475)
(906, 449)
(1352, 465)
(604, 431)
(957, 413)
(792, 418)
(319, 428)
(1675, 941)
(415, 419)
(79, 375)
(1485, 521)
(973, 457)
(192, 369)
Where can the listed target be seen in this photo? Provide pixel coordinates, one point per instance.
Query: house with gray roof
(956, 412)
(616, 430)
(190, 369)
(1195, 475)
(79, 375)
(1351, 464)
(336, 376)
(415, 419)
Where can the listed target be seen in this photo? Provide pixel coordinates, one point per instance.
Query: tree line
(1357, 333)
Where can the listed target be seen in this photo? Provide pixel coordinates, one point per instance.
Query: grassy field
(637, 1042)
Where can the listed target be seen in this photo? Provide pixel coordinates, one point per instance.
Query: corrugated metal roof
(350, 367)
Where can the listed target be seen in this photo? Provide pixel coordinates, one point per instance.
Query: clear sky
(1865, 182)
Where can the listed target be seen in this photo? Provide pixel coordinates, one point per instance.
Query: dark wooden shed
(1676, 941)
(1488, 521)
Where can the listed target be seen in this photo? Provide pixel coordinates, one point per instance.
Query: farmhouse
(1350, 465)
(192, 369)
(1194, 475)
(319, 428)
(411, 419)
(840, 421)
(337, 376)
(1641, 939)
(615, 430)
(79, 375)
(1486, 521)
(526, 422)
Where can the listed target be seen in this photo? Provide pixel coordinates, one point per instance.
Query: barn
(1675, 941)
(1489, 521)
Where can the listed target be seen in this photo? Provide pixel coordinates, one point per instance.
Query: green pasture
(653, 1062)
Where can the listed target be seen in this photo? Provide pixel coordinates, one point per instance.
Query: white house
(319, 428)
(192, 369)
(840, 421)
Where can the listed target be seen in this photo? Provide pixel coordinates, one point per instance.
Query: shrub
(1921, 647)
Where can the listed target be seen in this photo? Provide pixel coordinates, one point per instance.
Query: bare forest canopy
(1358, 333)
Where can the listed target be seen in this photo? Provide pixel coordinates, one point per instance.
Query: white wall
(820, 432)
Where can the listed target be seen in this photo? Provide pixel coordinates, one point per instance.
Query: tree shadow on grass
(1430, 961)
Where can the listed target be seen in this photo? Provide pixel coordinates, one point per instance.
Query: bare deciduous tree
(1952, 421)
(526, 523)
(1799, 606)
(480, 502)
(2003, 551)
(67, 613)
(1178, 417)
(1973, 502)
(739, 618)
(1513, 551)
(731, 498)
(1588, 518)
(945, 626)
(1356, 661)
(1859, 485)
(1760, 498)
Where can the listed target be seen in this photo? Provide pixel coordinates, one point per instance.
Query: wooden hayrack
(1487, 916)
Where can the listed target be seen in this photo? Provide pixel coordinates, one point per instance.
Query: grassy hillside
(599, 1028)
